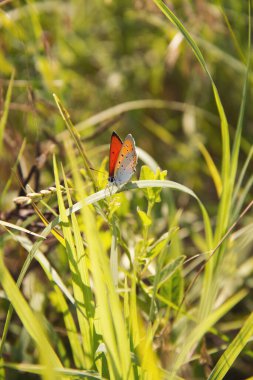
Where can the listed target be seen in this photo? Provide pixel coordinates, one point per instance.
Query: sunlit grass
(136, 282)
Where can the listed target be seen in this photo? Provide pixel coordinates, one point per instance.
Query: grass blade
(59, 289)
(4, 117)
(201, 328)
(242, 174)
(63, 372)
(108, 304)
(212, 168)
(234, 349)
(237, 141)
(26, 315)
(76, 138)
(74, 245)
(9, 181)
(222, 218)
(18, 228)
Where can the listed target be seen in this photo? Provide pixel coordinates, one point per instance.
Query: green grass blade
(177, 23)
(9, 181)
(224, 125)
(201, 328)
(47, 267)
(237, 140)
(224, 211)
(4, 117)
(242, 174)
(28, 318)
(212, 168)
(101, 276)
(131, 186)
(163, 275)
(88, 311)
(122, 108)
(72, 245)
(21, 276)
(109, 312)
(109, 309)
(225, 175)
(223, 215)
(164, 184)
(133, 312)
(220, 54)
(233, 351)
(71, 330)
(234, 39)
(225, 166)
(2, 369)
(241, 199)
(32, 251)
(159, 131)
(76, 138)
(147, 356)
(62, 372)
(58, 285)
(59, 288)
(114, 255)
(18, 228)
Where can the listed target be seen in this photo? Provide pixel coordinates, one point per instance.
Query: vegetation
(152, 280)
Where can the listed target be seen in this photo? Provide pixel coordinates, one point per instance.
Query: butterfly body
(122, 160)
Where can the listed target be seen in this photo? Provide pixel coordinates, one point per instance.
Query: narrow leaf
(234, 349)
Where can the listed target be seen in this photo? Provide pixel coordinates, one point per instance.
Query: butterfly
(122, 159)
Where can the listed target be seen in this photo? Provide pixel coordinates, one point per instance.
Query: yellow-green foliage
(151, 280)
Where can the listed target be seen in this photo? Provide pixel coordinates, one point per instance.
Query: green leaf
(152, 194)
(169, 270)
(158, 246)
(234, 349)
(146, 221)
(176, 285)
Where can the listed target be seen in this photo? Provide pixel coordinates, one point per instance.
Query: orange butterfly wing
(115, 147)
(126, 163)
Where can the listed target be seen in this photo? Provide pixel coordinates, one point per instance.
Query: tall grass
(125, 299)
